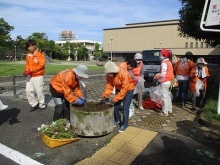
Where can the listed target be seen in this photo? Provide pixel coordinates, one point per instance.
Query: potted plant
(58, 133)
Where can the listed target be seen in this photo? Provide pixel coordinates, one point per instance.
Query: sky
(85, 18)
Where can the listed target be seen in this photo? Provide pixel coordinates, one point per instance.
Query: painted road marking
(17, 156)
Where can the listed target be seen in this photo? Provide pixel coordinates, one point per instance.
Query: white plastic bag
(199, 86)
(155, 94)
(131, 110)
(139, 86)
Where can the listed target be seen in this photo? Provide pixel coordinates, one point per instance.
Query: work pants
(35, 84)
(126, 104)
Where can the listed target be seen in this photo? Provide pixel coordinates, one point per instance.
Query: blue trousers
(126, 104)
(183, 91)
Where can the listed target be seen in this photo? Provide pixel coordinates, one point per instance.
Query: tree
(5, 39)
(20, 44)
(96, 51)
(5, 30)
(82, 52)
(190, 17)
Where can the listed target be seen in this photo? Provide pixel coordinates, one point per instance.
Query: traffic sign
(211, 16)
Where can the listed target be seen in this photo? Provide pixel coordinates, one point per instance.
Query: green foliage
(210, 111)
(190, 17)
(97, 52)
(5, 30)
(5, 39)
(83, 53)
(58, 130)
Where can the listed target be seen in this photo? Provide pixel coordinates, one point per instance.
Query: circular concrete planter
(96, 123)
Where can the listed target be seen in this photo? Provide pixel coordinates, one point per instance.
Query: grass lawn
(12, 69)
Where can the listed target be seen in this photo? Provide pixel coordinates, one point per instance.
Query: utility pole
(15, 53)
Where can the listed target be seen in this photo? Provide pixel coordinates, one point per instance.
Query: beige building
(124, 42)
(89, 44)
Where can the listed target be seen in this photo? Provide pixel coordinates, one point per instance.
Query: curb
(209, 124)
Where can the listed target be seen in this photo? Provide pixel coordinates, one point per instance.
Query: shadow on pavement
(9, 116)
(177, 150)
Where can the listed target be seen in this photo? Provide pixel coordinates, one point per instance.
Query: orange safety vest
(195, 78)
(137, 71)
(122, 81)
(169, 73)
(66, 82)
(183, 69)
(35, 63)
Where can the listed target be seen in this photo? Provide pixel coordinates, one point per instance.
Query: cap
(166, 53)
(138, 56)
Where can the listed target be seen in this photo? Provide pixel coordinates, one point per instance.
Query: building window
(186, 45)
(191, 44)
(196, 46)
(201, 45)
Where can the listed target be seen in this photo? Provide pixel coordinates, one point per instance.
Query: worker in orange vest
(198, 84)
(65, 90)
(182, 70)
(164, 77)
(123, 83)
(138, 79)
(129, 66)
(34, 70)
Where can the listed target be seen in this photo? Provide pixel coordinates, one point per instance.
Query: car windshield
(151, 55)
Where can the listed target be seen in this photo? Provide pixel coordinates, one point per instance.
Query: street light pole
(15, 53)
(111, 39)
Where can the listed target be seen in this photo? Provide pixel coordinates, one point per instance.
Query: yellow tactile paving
(131, 149)
(126, 136)
(116, 144)
(122, 149)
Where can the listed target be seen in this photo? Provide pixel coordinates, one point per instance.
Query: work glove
(79, 102)
(83, 99)
(26, 73)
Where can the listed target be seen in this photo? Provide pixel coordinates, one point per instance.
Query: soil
(92, 107)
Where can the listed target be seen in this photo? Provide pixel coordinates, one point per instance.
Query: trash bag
(155, 94)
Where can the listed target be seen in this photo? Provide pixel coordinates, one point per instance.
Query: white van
(151, 62)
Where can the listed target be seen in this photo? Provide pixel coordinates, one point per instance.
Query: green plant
(58, 130)
(210, 111)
